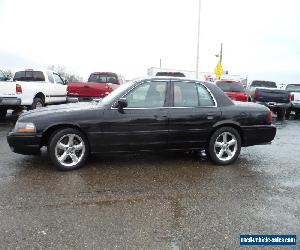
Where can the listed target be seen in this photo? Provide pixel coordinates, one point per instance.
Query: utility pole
(160, 62)
(198, 41)
(221, 53)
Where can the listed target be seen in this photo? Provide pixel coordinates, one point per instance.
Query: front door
(143, 124)
(193, 114)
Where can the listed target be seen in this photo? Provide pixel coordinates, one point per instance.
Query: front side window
(50, 77)
(58, 79)
(2, 76)
(147, 95)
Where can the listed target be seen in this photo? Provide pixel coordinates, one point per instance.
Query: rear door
(142, 125)
(192, 116)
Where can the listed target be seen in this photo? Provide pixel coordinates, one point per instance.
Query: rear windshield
(103, 78)
(265, 84)
(293, 88)
(29, 76)
(2, 76)
(231, 87)
(175, 74)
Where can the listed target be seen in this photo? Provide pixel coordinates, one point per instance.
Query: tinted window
(266, 84)
(293, 88)
(185, 94)
(2, 76)
(205, 98)
(231, 87)
(58, 79)
(175, 74)
(50, 77)
(29, 76)
(103, 78)
(147, 95)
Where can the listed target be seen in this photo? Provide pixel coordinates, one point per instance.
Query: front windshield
(109, 98)
(293, 88)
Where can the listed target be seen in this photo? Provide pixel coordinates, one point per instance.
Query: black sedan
(156, 114)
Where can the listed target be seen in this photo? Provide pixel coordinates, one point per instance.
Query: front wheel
(68, 149)
(224, 146)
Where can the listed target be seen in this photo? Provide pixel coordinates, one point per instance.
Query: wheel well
(229, 125)
(40, 95)
(47, 134)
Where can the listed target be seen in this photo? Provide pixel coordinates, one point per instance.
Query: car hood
(54, 109)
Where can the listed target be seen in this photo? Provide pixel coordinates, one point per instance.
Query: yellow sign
(218, 70)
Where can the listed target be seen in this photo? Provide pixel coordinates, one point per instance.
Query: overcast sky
(261, 38)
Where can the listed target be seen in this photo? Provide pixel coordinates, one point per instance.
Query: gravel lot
(150, 201)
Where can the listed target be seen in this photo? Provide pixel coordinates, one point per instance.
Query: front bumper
(24, 144)
(10, 101)
(260, 134)
(295, 106)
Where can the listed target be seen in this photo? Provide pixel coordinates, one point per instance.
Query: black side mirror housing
(122, 103)
(65, 82)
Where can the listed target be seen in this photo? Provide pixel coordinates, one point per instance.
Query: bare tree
(8, 73)
(61, 70)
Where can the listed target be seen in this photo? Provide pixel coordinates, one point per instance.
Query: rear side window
(190, 94)
(185, 94)
(266, 84)
(29, 76)
(103, 78)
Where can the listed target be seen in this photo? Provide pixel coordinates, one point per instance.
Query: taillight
(255, 95)
(270, 116)
(292, 97)
(18, 89)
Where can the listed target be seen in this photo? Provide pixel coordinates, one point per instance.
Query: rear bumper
(260, 134)
(10, 101)
(83, 98)
(24, 144)
(275, 105)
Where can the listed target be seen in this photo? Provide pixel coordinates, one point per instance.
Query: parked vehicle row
(99, 85)
(154, 114)
(31, 89)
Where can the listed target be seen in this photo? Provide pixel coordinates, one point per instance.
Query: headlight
(25, 127)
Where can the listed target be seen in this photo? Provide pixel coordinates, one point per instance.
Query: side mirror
(65, 82)
(122, 103)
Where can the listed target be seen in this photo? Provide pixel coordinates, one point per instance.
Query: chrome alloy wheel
(225, 146)
(69, 150)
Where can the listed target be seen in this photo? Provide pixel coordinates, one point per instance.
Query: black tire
(231, 134)
(36, 103)
(287, 114)
(280, 114)
(3, 112)
(55, 151)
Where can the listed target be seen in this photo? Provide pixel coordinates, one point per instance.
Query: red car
(99, 85)
(233, 89)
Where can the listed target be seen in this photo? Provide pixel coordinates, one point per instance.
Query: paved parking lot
(150, 201)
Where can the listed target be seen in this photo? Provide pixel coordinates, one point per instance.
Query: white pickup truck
(294, 90)
(31, 89)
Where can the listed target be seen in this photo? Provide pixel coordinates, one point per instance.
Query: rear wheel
(224, 146)
(68, 149)
(280, 114)
(37, 103)
(287, 114)
(3, 112)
